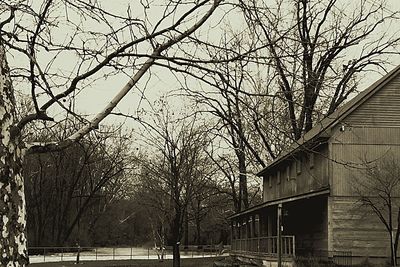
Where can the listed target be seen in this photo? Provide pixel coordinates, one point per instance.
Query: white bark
(13, 243)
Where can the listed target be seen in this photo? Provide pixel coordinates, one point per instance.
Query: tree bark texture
(176, 236)
(176, 255)
(13, 243)
(186, 239)
(243, 193)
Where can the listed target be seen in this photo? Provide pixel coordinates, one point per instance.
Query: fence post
(62, 254)
(95, 250)
(113, 253)
(131, 252)
(44, 254)
(148, 253)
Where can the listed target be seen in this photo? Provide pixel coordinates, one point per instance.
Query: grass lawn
(196, 262)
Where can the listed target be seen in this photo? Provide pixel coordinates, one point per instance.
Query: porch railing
(265, 245)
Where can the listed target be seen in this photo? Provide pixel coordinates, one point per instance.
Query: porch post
(240, 228)
(253, 220)
(232, 231)
(240, 233)
(257, 233)
(248, 227)
(279, 231)
(248, 240)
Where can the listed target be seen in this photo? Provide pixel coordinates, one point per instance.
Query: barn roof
(323, 128)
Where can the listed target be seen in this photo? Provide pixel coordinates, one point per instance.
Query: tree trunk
(244, 197)
(186, 238)
(13, 241)
(175, 235)
(176, 255)
(392, 251)
(198, 231)
(391, 233)
(175, 239)
(396, 239)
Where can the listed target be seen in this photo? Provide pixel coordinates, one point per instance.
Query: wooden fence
(265, 245)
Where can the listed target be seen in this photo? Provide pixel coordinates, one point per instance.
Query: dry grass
(196, 262)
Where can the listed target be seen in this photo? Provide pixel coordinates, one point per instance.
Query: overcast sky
(94, 98)
(162, 81)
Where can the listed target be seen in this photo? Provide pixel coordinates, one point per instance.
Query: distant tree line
(68, 190)
(103, 192)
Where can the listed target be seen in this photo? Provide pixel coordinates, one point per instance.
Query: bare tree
(297, 63)
(208, 210)
(379, 191)
(128, 43)
(318, 49)
(226, 101)
(63, 185)
(176, 172)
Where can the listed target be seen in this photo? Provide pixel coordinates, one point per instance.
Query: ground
(196, 262)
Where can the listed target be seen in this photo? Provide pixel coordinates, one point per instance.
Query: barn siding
(349, 162)
(367, 135)
(355, 228)
(309, 179)
(381, 110)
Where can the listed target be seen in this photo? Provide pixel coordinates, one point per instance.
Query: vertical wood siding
(296, 182)
(348, 165)
(367, 134)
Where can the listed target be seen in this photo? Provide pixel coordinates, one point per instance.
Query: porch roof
(322, 191)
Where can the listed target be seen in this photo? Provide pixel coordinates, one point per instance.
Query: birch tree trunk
(13, 242)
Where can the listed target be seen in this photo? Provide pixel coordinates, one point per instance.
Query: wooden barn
(311, 189)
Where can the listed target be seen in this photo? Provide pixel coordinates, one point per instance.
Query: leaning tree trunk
(13, 242)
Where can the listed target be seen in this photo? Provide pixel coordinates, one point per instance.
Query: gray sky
(94, 98)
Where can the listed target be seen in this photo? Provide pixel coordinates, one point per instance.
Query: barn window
(278, 177)
(288, 172)
(311, 158)
(298, 166)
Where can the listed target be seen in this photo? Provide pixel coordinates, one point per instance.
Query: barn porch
(304, 227)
